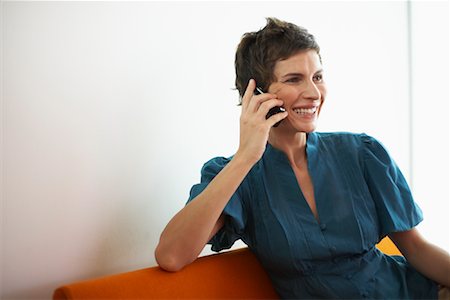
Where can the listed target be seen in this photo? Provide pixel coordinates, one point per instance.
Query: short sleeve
(235, 217)
(394, 202)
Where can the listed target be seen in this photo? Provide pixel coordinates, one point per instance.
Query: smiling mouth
(305, 111)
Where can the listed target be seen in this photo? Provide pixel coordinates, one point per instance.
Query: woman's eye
(318, 78)
(293, 79)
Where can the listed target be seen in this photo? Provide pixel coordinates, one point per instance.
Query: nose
(311, 91)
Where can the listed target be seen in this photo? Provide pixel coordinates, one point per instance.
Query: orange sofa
(236, 274)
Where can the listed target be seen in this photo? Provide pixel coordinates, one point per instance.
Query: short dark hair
(258, 52)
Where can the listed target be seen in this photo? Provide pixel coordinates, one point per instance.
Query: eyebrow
(300, 74)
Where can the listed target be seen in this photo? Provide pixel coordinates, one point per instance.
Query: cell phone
(273, 110)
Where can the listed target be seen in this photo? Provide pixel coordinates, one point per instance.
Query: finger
(277, 118)
(249, 91)
(255, 102)
(267, 105)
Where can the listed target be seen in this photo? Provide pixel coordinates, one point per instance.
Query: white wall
(430, 115)
(109, 110)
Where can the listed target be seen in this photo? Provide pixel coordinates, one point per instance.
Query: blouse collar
(280, 156)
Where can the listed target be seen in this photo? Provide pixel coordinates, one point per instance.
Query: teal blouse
(361, 196)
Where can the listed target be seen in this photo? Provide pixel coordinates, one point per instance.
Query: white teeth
(304, 111)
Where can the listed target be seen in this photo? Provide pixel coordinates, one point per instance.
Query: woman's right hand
(254, 127)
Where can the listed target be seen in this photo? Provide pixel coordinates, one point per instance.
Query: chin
(306, 128)
(309, 130)
(295, 124)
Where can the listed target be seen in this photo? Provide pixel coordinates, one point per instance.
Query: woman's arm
(190, 229)
(425, 257)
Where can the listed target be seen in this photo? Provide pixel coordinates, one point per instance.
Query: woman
(311, 206)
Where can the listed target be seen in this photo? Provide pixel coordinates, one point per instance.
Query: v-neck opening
(309, 149)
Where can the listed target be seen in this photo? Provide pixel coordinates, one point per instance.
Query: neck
(294, 146)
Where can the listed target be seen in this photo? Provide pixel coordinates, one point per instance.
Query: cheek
(288, 95)
(323, 96)
(323, 91)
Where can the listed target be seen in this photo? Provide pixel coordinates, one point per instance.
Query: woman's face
(300, 85)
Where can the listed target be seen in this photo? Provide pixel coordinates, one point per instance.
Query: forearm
(425, 257)
(433, 262)
(190, 229)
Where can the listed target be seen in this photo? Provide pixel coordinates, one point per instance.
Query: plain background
(110, 109)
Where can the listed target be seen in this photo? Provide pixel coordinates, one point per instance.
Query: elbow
(168, 264)
(166, 261)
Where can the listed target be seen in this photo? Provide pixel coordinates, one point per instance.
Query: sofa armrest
(235, 274)
(232, 275)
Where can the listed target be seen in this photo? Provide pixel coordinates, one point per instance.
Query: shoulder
(354, 144)
(341, 140)
(366, 148)
(346, 138)
(215, 165)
